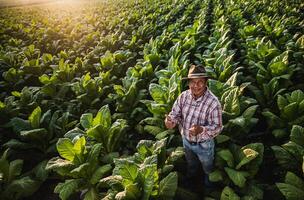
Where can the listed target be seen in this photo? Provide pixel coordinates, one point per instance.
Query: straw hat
(196, 72)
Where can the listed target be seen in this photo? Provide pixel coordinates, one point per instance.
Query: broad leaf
(22, 187)
(34, 118)
(92, 194)
(67, 188)
(290, 192)
(66, 149)
(38, 134)
(100, 173)
(229, 194)
(250, 154)
(216, 176)
(227, 156)
(297, 135)
(292, 179)
(15, 168)
(168, 186)
(19, 124)
(103, 117)
(86, 120)
(158, 93)
(238, 177)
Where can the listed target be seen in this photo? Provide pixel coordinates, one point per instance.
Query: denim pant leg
(193, 162)
(206, 157)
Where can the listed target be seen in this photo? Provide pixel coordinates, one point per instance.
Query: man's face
(197, 86)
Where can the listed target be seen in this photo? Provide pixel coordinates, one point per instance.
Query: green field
(85, 86)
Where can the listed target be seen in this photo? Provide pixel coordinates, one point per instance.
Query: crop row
(84, 98)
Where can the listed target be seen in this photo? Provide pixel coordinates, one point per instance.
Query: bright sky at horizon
(16, 3)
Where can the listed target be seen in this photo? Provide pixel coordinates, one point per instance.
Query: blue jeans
(200, 153)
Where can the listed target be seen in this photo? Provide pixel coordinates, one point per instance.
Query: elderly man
(198, 113)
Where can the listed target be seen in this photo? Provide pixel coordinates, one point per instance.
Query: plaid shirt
(205, 111)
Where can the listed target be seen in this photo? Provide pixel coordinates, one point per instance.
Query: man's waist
(195, 142)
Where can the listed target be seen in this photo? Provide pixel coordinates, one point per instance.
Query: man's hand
(195, 129)
(169, 123)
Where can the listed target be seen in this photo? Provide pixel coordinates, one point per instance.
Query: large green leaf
(144, 148)
(79, 146)
(297, 135)
(94, 153)
(168, 186)
(282, 102)
(151, 160)
(65, 148)
(222, 138)
(216, 176)
(158, 93)
(131, 96)
(129, 172)
(34, 118)
(279, 65)
(86, 120)
(250, 154)
(100, 173)
(284, 158)
(74, 133)
(294, 180)
(296, 96)
(239, 121)
(278, 68)
(46, 117)
(254, 191)
(290, 111)
(229, 194)
(103, 117)
(295, 150)
(249, 112)
(230, 101)
(290, 192)
(15, 168)
(237, 177)
(132, 191)
(81, 170)
(19, 124)
(99, 133)
(114, 181)
(22, 187)
(226, 155)
(58, 163)
(41, 174)
(92, 194)
(116, 133)
(176, 155)
(273, 120)
(67, 188)
(149, 177)
(70, 151)
(301, 107)
(17, 144)
(154, 130)
(159, 146)
(38, 134)
(4, 164)
(253, 167)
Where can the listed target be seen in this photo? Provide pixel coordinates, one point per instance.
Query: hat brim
(195, 76)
